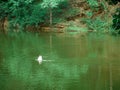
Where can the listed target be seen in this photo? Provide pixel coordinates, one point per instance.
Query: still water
(89, 62)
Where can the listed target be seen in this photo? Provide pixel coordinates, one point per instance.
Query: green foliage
(62, 10)
(96, 24)
(20, 10)
(89, 13)
(72, 12)
(113, 1)
(92, 3)
(75, 29)
(62, 7)
(38, 15)
(103, 5)
(116, 20)
(4, 10)
(30, 12)
(50, 3)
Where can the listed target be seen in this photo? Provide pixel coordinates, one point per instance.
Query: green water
(77, 63)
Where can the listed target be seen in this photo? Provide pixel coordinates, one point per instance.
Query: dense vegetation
(116, 16)
(25, 13)
(30, 12)
(116, 20)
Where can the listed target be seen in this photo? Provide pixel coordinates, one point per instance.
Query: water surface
(78, 62)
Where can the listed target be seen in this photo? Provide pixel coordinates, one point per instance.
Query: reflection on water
(79, 63)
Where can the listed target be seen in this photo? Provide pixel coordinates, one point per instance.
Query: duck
(39, 59)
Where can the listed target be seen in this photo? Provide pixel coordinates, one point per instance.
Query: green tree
(20, 9)
(22, 13)
(50, 4)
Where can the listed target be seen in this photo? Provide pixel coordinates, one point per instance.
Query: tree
(50, 4)
(19, 9)
(25, 13)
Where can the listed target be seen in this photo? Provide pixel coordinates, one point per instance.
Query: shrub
(116, 20)
(113, 1)
(92, 3)
(96, 24)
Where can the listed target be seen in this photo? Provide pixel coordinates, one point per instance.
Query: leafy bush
(20, 10)
(116, 20)
(113, 1)
(92, 3)
(38, 15)
(3, 9)
(73, 12)
(89, 13)
(96, 24)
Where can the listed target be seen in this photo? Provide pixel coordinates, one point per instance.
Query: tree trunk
(5, 25)
(50, 10)
(2, 25)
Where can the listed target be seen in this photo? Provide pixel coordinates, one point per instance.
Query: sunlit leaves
(50, 3)
(93, 3)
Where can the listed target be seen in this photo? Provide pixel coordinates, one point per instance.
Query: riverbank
(83, 17)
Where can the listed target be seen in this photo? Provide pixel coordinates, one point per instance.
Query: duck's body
(39, 59)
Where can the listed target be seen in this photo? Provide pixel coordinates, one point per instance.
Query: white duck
(40, 60)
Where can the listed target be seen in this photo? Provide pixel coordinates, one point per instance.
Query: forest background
(60, 15)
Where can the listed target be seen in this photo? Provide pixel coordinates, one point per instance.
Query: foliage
(3, 9)
(116, 20)
(38, 15)
(73, 12)
(30, 12)
(23, 13)
(96, 5)
(113, 1)
(89, 13)
(92, 3)
(62, 7)
(50, 3)
(96, 24)
(20, 10)
(75, 29)
(62, 10)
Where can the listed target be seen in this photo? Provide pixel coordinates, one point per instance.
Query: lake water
(78, 62)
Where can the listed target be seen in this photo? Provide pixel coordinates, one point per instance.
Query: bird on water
(40, 59)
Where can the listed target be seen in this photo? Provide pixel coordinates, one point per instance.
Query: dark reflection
(87, 63)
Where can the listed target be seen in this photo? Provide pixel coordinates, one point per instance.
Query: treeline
(23, 13)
